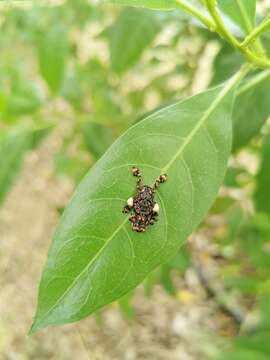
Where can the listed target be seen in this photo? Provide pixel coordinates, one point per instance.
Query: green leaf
(242, 12)
(150, 4)
(38, 134)
(226, 64)
(14, 145)
(71, 166)
(150, 281)
(125, 305)
(52, 56)
(258, 341)
(97, 138)
(166, 280)
(132, 32)
(262, 194)
(242, 355)
(251, 109)
(234, 220)
(95, 257)
(25, 99)
(231, 176)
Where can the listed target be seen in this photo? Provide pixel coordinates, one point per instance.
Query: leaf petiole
(182, 4)
(256, 32)
(222, 30)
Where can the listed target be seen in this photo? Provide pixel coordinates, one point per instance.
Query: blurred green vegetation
(86, 73)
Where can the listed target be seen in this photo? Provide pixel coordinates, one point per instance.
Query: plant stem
(182, 4)
(256, 32)
(218, 26)
(261, 62)
(221, 28)
(223, 31)
(249, 26)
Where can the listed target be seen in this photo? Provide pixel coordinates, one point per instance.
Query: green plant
(95, 258)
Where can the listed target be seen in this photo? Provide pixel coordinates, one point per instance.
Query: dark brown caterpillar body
(145, 208)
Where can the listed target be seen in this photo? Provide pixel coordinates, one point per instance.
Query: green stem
(218, 26)
(223, 31)
(261, 62)
(221, 28)
(249, 26)
(256, 32)
(182, 4)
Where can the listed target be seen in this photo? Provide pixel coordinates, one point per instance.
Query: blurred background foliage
(87, 72)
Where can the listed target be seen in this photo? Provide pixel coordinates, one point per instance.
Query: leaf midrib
(188, 139)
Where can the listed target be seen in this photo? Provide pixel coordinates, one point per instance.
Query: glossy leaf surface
(95, 257)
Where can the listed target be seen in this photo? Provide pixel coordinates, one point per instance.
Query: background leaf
(132, 32)
(13, 147)
(251, 109)
(262, 195)
(25, 99)
(97, 138)
(242, 12)
(150, 4)
(242, 355)
(52, 55)
(226, 64)
(95, 257)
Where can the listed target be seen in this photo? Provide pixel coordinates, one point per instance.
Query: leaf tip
(36, 326)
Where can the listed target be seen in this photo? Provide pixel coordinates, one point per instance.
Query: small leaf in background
(95, 257)
(71, 166)
(38, 134)
(251, 109)
(53, 51)
(262, 194)
(257, 341)
(241, 12)
(226, 64)
(166, 280)
(93, 76)
(150, 281)
(133, 31)
(231, 176)
(180, 262)
(125, 305)
(14, 145)
(72, 91)
(97, 138)
(81, 11)
(221, 204)
(150, 4)
(25, 99)
(234, 220)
